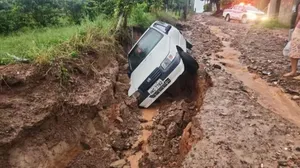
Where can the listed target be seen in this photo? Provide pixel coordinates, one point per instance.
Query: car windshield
(251, 8)
(144, 47)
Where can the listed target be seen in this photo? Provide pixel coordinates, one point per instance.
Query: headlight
(252, 16)
(167, 61)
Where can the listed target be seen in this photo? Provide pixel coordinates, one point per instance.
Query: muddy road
(236, 112)
(247, 120)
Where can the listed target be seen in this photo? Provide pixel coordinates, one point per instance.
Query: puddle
(270, 97)
(147, 115)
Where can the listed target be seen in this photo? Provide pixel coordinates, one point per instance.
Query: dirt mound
(173, 130)
(67, 113)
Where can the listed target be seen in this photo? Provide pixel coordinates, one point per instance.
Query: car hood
(147, 66)
(256, 12)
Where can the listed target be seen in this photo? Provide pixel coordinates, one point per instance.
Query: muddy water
(147, 115)
(272, 98)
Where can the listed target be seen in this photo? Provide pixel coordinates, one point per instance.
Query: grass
(272, 24)
(47, 43)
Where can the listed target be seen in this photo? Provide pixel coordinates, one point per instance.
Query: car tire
(244, 19)
(191, 65)
(227, 18)
(189, 45)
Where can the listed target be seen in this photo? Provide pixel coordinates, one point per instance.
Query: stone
(131, 102)
(216, 66)
(160, 127)
(126, 166)
(119, 119)
(266, 73)
(296, 98)
(118, 164)
(173, 130)
(142, 120)
(282, 163)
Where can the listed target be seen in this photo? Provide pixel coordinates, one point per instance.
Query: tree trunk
(185, 10)
(218, 4)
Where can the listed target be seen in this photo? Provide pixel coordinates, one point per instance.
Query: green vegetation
(40, 31)
(42, 44)
(272, 24)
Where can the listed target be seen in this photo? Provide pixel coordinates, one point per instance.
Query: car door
(234, 12)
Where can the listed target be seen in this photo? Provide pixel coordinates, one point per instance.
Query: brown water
(147, 115)
(270, 97)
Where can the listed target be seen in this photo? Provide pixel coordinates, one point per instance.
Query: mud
(237, 130)
(233, 113)
(173, 132)
(68, 114)
(261, 51)
(271, 98)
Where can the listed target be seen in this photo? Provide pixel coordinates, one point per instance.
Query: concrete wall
(285, 12)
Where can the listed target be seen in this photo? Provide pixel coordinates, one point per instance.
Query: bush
(167, 17)
(207, 7)
(139, 16)
(272, 24)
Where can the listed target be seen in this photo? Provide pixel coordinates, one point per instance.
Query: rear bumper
(146, 99)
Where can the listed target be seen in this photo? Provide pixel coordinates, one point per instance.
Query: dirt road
(247, 122)
(236, 112)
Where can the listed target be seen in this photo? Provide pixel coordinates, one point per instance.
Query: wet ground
(247, 121)
(236, 112)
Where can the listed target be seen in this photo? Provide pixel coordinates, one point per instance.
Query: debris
(266, 73)
(216, 66)
(142, 120)
(282, 163)
(119, 119)
(296, 98)
(173, 130)
(160, 127)
(118, 163)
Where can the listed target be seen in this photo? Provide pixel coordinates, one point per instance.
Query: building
(199, 6)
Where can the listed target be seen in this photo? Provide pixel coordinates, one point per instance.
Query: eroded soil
(236, 112)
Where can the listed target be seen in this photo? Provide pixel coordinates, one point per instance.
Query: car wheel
(244, 19)
(189, 62)
(189, 45)
(227, 18)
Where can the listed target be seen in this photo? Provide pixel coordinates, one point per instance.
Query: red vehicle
(244, 13)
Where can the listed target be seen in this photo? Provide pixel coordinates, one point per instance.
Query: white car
(244, 13)
(155, 62)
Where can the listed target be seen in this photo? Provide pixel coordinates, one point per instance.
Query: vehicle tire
(227, 18)
(189, 45)
(191, 65)
(244, 19)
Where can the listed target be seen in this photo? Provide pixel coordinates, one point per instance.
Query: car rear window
(251, 8)
(144, 47)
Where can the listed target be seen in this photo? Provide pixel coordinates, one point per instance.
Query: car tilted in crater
(157, 59)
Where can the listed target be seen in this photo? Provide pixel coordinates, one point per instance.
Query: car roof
(162, 26)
